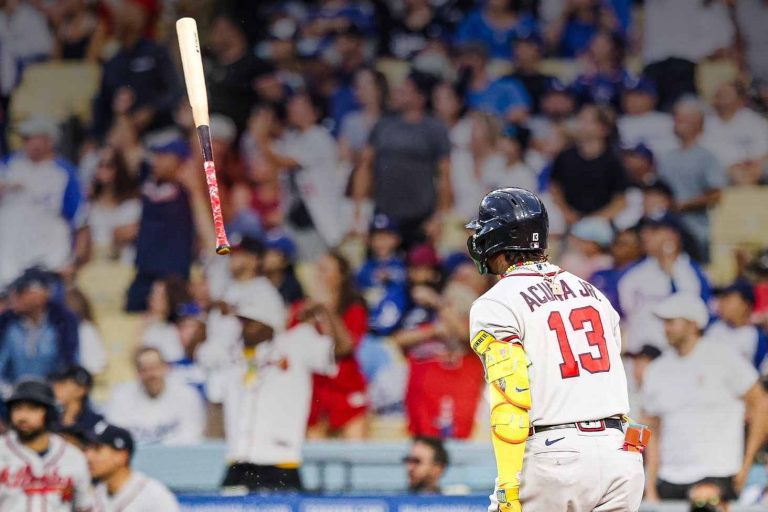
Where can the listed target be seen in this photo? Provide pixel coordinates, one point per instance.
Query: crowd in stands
(353, 141)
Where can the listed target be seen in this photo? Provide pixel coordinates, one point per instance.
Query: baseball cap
(423, 255)
(223, 128)
(558, 86)
(640, 84)
(649, 351)
(594, 229)
(34, 277)
(472, 48)
(265, 309)
(170, 144)
(282, 243)
(248, 244)
(39, 124)
(76, 373)
(113, 436)
(383, 222)
(32, 390)
(683, 305)
(641, 150)
(742, 288)
(529, 35)
(665, 221)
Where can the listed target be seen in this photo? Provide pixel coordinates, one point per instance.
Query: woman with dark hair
(115, 207)
(371, 91)
(160, 329)
(496, 25)
(339, 403)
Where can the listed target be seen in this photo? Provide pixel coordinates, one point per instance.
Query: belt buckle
(591, 426)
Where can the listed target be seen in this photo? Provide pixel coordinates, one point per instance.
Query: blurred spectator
(407, 147)
(72, 388)
(33, 457)
(751, 17)
(474, 168)
(626, 251)
(696, 396)
(156, 408)
(80, 34)
(707, 496)
(140, 82)
(232, 72)
(693, 172)
(166, 228)
(339, 402)
(425, 464)
(603, 75)
(640, 166)
(93, 353)
(758, 268)
(124, 137)
(160, 328)
(268, 394)
(192, 334)
(244, 279)
(495, 25)
(677, 35)
(448, 106)
(665, 270)
(432, 337)
(371, 92)
(513, 147)
(347, 56)
(734, 327)
(333, 16)
(409, 32)
(40, 202)
(737, 135)
(588, 178)
(38, 336)
(588, 247)
(641, 124)
(114, 208)
(118, 487)
(558, 106)
(528, 48)
(279, 263)
(639, 362)
(578, 22)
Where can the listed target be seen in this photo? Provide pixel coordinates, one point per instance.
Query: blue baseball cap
(529, 35)
(557, 85)
(742, 288)
(115, 437)
(640, 84)
(282, 243)
(382, 222)
(176, 146)
(641, 150)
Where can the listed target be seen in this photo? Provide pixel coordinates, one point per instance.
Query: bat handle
(222, 244)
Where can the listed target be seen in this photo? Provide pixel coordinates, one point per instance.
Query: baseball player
(120, 488)
(39, 470)
(550, 345)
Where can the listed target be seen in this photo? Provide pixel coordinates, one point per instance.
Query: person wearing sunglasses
(707, 497)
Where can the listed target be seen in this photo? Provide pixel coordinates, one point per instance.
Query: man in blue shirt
(37, 336)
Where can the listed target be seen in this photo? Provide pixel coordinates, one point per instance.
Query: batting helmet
(37, 392)
(510, 219)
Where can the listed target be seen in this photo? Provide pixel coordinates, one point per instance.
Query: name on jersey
(31, 484)
(539, 294)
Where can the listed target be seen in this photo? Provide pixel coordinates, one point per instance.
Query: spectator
(758, 269)
(641, 124)
(166, 228)
(495, 25)
(155, 408)
(140, 81)
(737, 135)
(513, 147)
(160, 328)
(528, 47)
(408, 33)
(407, 147)
(93, 354)
(603, 76)
(558, 106)
(697, 414)
(371, 91)
(268, 394)
(639, 361)
(751, 17)
(279, 262)
(72, 388)
(339, 402)
(425, 464)
(734, 327)
(40, 199)
(232, 71)
(80, 34)
(579, 21)
(109, 453)
(349, 53)
(588, 179)
(693, 172)
(473, 169)
(38, 336)
(192, 334)
(448, 106)
(676, 36)
(588, 247)
(707, 497)
(334, 16)
(665, 270)
(626, 251)
(115, 209)
(32, 455)
(639, 163)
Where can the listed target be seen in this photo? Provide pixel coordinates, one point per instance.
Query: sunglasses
(710, 505)
(412, 460)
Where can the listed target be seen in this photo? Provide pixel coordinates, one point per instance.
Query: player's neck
(39, 444)
(118, 479)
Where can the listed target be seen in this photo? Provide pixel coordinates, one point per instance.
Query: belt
(583, 426)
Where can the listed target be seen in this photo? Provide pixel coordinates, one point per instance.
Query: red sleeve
(355, 319)
(293, 313)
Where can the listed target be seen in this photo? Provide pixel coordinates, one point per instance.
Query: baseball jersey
(58, 481)
(139, 494)
(571, 339)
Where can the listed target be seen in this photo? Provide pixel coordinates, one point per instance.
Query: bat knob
(223, 249)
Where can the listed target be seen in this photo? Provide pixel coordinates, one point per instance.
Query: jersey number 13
(579, 318)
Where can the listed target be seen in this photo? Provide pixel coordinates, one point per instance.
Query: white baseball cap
(39, 124)
(264, 309)
(683, 305)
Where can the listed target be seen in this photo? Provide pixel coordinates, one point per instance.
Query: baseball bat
(191, 61)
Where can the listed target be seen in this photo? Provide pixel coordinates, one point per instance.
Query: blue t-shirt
(29, 351)
(383, 282)
(500, 97)
(476, 28)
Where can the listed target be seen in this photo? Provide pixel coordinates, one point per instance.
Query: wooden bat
(189, 44)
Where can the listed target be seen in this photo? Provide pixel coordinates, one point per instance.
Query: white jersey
(59, 481)
(139, 494)
(572, 341)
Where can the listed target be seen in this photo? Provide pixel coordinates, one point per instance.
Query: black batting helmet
(510, 219)
(37, 392)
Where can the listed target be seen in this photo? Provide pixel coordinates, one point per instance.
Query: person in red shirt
(340, 403)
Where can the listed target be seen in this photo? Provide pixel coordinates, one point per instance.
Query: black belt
(583, 426)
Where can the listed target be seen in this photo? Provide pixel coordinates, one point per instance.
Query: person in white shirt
(641, 123)
(516, 171)
(155, 408)
(696, 396)
(120, 488)
(267, 403)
